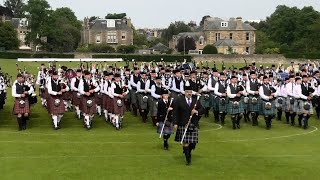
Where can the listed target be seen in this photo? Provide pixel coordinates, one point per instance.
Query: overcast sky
(159, 13)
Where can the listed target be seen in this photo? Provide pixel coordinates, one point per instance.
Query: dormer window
(224, 24)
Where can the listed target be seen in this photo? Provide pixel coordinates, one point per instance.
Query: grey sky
(159, 14)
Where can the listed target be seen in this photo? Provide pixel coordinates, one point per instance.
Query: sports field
(136, 152)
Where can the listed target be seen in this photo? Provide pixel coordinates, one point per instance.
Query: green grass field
(136, 152)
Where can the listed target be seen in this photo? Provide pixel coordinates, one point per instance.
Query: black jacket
(162, 111)
(182, 112)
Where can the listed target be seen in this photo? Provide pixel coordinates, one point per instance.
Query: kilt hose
(21, 110)
(85, 108)
(116, 109)
(301, 110)
(281, 106)
(141, 104)
(291, 107)
(232, 110)
(268, 112)
(76, 99)
(56, 109)
(166, 129)
(205, 100)
(133, 97)
(98, 98)
(254, 107)
(190, 137)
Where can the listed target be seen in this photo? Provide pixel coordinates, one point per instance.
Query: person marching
(187, 112)
(104, 91)
(55, 104)
(211, 87)
(119, 91)
(41, 81)
(235, 106)
(220, 92)
(142, 97)
(176, 81)
(303, 92)
(21, 106)
(253, 91)
(290, 102)
(126, 79)
(135, 77)
(281, 98)
(156, 90)
(76, 96)
(267, 94)
(205, 93)
(164, 116)
(88, 87)
(152, 103)
(243, 83)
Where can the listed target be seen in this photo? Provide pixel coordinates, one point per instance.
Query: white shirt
(153, 92)
(81, 86)
(14, 90)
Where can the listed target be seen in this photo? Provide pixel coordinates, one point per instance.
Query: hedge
(16, 55)
(305, 56)
(145, 58)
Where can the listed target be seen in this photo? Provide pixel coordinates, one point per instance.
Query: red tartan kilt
(67, 96)
(105, 102)
(75, 99)
(17, 110)
(54, 109)
(88, 110)
(116, 108)
(110, 104)
(98, 99)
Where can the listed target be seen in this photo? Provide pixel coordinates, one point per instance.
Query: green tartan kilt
(205, 102)
(232, 110)
(254, 107)
(266, 112)
(245, 105)
(222, 106)
(291, 107)
(296, 106)
(214, 102)
(283, 105)
(133, 96)
(301, 110)
(142, 105)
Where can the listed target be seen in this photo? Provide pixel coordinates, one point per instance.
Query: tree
(37, 13)
(185, 44)
(203, 19)
(126, 49)
(93, 18)
(115, 16)
(8, 36)
(174, 29)
(263, 43)
(139, 40)
(16, 7)
(210, 49)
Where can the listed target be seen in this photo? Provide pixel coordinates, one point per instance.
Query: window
(248, 50)
(123, 35)
(201, 40)
(98, 38)
(231, 36)
(112, 37)
(248, 36)
(224, 24)
(217, 36)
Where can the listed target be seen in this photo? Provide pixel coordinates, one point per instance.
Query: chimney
(86, 23)
(239, 23)
(129, 22)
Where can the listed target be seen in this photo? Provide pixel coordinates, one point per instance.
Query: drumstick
(165, 120)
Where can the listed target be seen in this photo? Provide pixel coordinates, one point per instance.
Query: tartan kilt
(109, 104)
(166, 129)
(283, 105)
(291, 107)
(254, 107)
(141, 104)
(232, 110)
(98, 97)
(222, 107)
(46, 94)
(116, 109)
(75, 99)
(67, 96)
(88, 110)
(245, 105)
(105, 101)
(16, 108)
(205, 102)
(213, 102)
(133, 96)
(301, 110)
(54, 109)
(42, 92)
(266, 112)
(191, 137)
(150, 104)
(154, 108)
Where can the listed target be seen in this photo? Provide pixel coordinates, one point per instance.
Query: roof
(225, 42)
(195, 35)
(160, 47)
(15, 22)
(101, 24)
(215, 24)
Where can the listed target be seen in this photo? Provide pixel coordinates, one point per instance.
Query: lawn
(136, 152)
